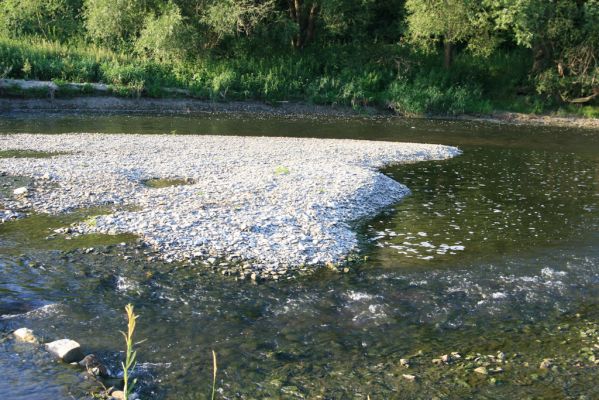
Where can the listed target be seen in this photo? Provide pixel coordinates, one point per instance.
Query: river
(494, 256)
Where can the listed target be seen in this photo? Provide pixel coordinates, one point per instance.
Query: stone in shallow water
(25, 335)
(66, 349)
(409, 377)
(20, 191)
(481, 370)
(94, 366)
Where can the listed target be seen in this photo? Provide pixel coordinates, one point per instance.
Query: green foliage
(427, 95)
(232, 17)
(162, 37)
(450, 21)
(114, 23)
(50, 19)
(532, 55)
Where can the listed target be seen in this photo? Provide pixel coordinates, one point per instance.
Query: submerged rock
(481, 370)
(21, 191)
(117, 395)
(25, 335)
(94, 366)
(67, 350)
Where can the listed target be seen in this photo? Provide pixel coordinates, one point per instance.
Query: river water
(494, 255)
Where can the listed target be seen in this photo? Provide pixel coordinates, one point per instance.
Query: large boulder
(67, 350)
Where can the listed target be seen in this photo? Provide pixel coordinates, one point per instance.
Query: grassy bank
(385, 76)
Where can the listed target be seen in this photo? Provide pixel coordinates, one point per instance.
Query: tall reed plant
(130, 355)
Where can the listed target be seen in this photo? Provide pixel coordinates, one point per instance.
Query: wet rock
(94, 366)
(67, 350)
(117, 395)
(546, 363)
(481, 370)
(25, 335)
(21, 191)
(404, 362)
(120, 395)
(291, 392)
(437, 361)
(409, 377)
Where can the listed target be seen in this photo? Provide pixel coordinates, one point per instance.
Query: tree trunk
(304, 15)
(448, 54)
(541, 54)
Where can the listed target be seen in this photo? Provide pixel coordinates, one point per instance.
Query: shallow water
(495, 250)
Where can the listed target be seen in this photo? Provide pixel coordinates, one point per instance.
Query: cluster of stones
(278, 204)
(70, 352)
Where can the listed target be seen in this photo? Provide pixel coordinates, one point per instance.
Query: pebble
(409, 377)
(481, 370)
(233, 201)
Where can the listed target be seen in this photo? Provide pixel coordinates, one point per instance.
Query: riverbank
(178, 106)
(257, 207)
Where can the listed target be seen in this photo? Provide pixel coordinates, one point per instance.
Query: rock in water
(66, 349)
(20, 191)
(120, 395)
(481, 370)
(117, 394)
(25, 335)
(94, 366)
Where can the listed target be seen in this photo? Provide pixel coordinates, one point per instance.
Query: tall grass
(385, 76)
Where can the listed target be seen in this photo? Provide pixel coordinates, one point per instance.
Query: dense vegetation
(414, 56)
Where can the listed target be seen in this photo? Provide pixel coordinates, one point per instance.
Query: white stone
(66, 349)
(20, 191)
(25, 335)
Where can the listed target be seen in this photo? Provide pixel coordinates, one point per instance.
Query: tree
(232, 17)
(304, 14)
(161, 37)
(50, 19)
(115, 23)
(563, 36)
(450, 22)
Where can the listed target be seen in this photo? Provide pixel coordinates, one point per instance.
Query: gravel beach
(271, 204)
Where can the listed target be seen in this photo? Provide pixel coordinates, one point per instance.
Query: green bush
(423, 97)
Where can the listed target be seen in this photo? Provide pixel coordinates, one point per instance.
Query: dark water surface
(495, 255)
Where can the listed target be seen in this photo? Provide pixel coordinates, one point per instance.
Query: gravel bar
(275, 204)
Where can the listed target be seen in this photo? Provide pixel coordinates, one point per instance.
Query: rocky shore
(271, 204)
